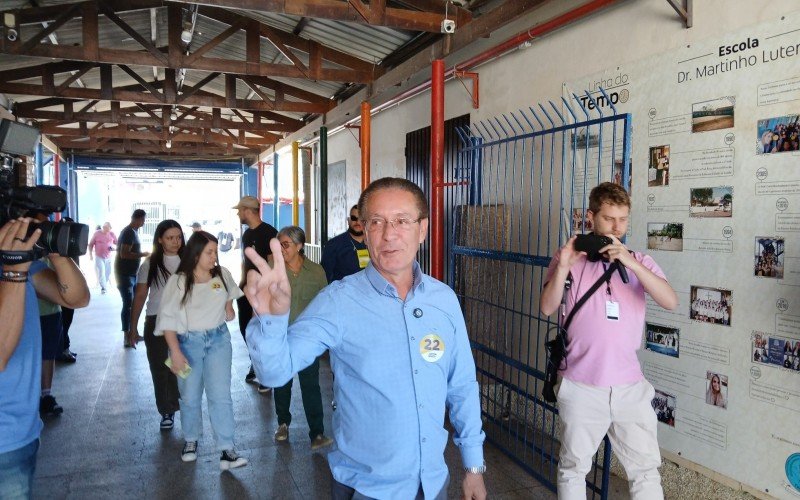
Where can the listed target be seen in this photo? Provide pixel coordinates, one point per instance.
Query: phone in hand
(183, 373)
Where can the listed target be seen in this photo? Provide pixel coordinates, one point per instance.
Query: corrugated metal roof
(368, 43)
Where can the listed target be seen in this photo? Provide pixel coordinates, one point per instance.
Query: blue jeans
(125, 284)
(16, 471)
(209, 354)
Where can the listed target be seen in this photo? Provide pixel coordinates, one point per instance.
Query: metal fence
(519, 189)
(313, 252)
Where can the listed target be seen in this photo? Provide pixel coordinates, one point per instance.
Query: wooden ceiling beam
(153, 96)
(461, 15)
(83, 119)
(63, 17)
(77, 53)
(335, 10)
(105, 9)
(362, 9)
(190, 91)
(205, 137)
(38, 15)
(127, 147)
(291, 40)
(377, 11)
(354, 69)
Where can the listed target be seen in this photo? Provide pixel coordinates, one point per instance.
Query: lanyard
(608, 279)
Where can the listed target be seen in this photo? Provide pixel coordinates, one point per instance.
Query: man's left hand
(473, 487)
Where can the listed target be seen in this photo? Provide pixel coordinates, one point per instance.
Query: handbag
(557, 348)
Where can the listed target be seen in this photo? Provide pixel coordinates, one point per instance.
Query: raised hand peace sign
(268, 289)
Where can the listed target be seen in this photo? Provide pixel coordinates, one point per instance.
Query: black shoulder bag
(557, 348)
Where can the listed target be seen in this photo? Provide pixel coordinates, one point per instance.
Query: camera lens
(67, 239)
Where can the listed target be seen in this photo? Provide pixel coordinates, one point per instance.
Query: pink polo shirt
(602, 352)
(101, 243)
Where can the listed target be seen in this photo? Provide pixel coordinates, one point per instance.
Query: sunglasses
(354, 218)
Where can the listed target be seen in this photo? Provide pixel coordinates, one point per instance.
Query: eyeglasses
(354, 218)
(378, 224)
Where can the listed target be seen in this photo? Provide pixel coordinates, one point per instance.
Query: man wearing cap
(257, 236)
(196, 227)
(346, 253)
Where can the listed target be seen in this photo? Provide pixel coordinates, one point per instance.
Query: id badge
(363, 257)
(612, 310)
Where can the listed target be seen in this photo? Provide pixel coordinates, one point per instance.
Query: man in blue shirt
(21, 350)
(346, 253)
(399, 352)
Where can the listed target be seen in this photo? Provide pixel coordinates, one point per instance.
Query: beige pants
(587, 414)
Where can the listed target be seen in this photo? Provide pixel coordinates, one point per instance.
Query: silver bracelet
(480, 469)
(15, 274)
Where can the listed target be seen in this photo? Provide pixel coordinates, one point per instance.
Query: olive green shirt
(305, 286)
(46, 307)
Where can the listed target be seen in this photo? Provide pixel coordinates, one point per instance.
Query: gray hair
(394, 183)
(296, 234)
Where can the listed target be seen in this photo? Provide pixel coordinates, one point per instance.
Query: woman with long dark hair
(197, 301)
(153, 274)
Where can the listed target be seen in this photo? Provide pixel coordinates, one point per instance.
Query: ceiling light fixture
(169, 144)
(188, 23)
(186, 36)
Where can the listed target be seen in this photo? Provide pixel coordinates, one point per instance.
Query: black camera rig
(592, 244)
(68, 239)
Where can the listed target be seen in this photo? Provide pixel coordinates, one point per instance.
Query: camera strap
(10, 258)
(605, 277)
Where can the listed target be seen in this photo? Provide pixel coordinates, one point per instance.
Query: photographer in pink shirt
(603, 390)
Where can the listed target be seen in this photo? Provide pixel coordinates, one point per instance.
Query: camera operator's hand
(569, 255)
(618, 251)
(552, 292)
(13, 239)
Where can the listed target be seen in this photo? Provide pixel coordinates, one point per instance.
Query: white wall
(630, 31)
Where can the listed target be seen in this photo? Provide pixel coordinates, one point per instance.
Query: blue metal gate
(519, 189)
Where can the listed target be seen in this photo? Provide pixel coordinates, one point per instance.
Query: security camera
(11, 34)
(448, 26)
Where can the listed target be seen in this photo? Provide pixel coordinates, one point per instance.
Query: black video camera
(591, 244)
(68, 239)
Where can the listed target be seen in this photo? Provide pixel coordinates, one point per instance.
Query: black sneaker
(67, 357)
(49, 406)
(251, 376)
(230, 460)
(167, 421)
(189, 453)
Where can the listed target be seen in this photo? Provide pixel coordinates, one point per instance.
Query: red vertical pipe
(258, 189)
(57, 180)
(437, 169)
(365, 144)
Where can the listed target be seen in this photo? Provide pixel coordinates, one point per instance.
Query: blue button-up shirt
(397, 365)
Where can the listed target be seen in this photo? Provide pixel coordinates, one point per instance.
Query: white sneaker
(189, 453)
(230, 460)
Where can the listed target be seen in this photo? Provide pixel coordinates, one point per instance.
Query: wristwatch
(480, 469)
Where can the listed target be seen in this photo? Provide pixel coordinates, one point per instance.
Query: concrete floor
(107, 443)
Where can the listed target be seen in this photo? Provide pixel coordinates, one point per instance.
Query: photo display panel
(716, 202)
